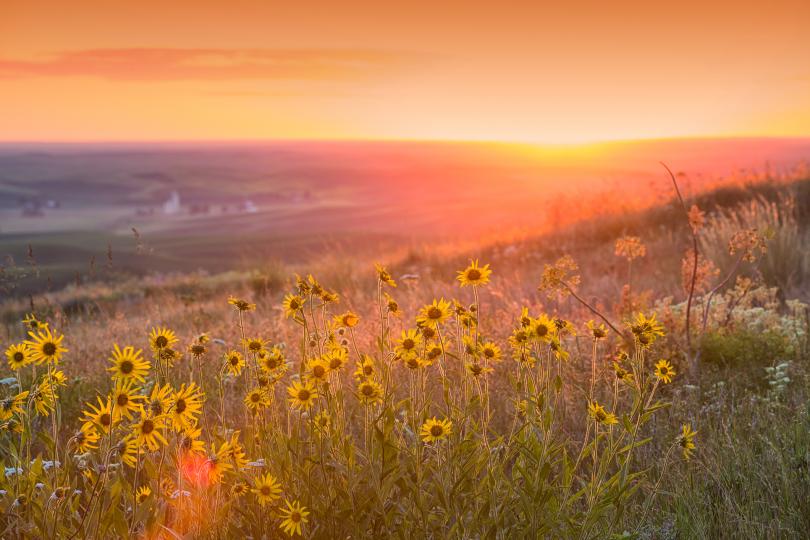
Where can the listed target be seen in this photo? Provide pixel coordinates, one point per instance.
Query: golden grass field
(640, 375)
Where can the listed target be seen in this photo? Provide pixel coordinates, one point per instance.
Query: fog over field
(224, 205)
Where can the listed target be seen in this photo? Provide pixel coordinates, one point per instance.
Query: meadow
(636, 374)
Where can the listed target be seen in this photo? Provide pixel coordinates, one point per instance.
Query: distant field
(240, 205)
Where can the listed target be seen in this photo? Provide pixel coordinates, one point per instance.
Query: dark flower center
(180, 406)
(156, 407)
(161, 341)
(105, 419)
(303, 394)
(368, 390)
(434, 313)
(126, 367)
(122, 400)
(541, 330)
(436, 431)
(473, 274)
(408, 344)
(49, 348)
(147, 427)
(255, 397)
(18, 356)
(266, 491)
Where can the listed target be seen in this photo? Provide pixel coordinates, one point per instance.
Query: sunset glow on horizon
(156, 71)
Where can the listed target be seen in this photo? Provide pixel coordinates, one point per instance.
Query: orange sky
(523, 71)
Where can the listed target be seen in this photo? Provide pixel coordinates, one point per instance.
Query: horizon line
(367, 140)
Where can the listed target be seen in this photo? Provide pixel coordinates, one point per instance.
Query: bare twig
(693, 279)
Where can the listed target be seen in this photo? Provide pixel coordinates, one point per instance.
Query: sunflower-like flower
(519, 340)
(598, 330)
(148, 431)
(57, 378)
(33, 323)
(160, 399)
(556, 347)
(197, 349)
(169, 356)
(491, 351)
(408, 344)
(436, 430)
(646, 330)
(336, 358)
(477, 369)
(664, 371)
(234, 362)
(128, 451)
(542, 329)
(329, 297)
(365, 368)
(302, 395)
(45, 346)
(125, 399)
(564, 327)
(272, 361)
(433, 351)
(317, 370)
(186, 405)
(621, 373)
(190, 442)
(18, 355)
(128, 363)
(474, 275)
(323, 422)
(434, 314)
(369, 392)
(392, 305)
(45, 398)
(686, 440)
(142, 494)
(255, 345)
(239, 489)
(161, 338)
(348, 319)
(292, 305)
(100, 417)
(218, 462)
(240, 304)
(86, 439)
(267, 489)
(12, 405)
(237, 452)
(256, 399)
(413, 361)
(293, 517)
(384, 275)
(600, 415)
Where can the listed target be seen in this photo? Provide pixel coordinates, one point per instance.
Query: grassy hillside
(453, 443)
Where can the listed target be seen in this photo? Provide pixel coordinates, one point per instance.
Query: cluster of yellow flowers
(152, 423)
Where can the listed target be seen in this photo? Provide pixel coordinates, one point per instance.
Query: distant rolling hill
(225, 205)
